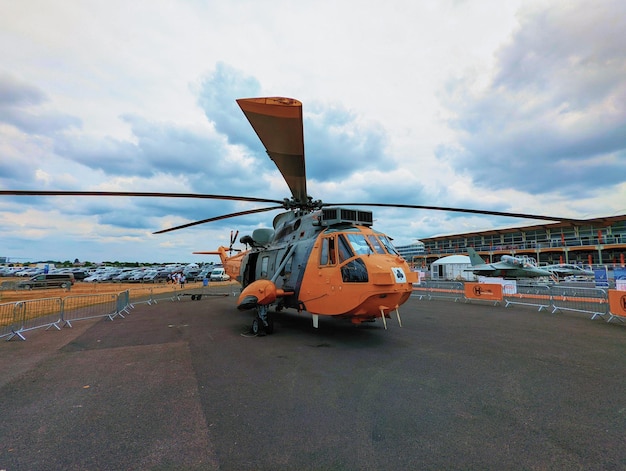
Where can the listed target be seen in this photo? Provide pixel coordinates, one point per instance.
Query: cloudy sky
(507, 105)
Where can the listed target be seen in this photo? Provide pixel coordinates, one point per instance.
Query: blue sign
(601, 277)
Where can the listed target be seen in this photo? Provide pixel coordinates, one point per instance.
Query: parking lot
(181, 385)
(137, 274)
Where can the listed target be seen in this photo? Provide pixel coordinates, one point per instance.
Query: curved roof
(460, 259)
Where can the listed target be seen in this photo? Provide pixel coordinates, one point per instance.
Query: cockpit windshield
(374, 242)
(351, 241)
(358, 243)
(387, 243)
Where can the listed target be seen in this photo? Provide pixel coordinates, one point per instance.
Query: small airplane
(508, 267)
(561, 270)
(320, 258)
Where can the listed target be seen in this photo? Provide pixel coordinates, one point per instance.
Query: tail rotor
(233, 239)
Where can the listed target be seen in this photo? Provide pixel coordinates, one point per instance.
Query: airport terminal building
(597, 242)
(411, 251)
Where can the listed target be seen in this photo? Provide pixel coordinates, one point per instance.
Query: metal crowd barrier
(594, 301)
(528, 295)
(147, 296)
(88, 306)
(8, 285)
(439, 289)
(19, 317)
(123, 303)
(34, 314)
(9, 320)
(22, 316)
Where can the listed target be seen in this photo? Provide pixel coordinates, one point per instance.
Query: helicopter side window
(264, 264)
(324, 252)
(327, 254)
(378, 248)
(359, 244)
(345, 252)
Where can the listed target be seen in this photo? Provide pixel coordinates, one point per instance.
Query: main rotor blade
(278, 123)
(135, 193)
(218, 218)
(464, 210)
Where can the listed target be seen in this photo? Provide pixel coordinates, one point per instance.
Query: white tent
(454, 267)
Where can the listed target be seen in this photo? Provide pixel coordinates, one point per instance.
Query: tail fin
(221, 251)
(232, 265)
(475, 259)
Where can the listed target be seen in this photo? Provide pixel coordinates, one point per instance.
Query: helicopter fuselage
(327, 266)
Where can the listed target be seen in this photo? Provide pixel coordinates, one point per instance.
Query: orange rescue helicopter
(325, 259)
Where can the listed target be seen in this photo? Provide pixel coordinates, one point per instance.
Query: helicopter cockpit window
(264, 264)
(344, 250)
(378, 248)
(390, 248)
(359, 244)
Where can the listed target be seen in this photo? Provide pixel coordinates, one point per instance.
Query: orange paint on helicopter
(282, 107)
(232, 265)
(324, 291)
(261, 292)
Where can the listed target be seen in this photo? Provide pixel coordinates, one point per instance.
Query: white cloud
(509, 105)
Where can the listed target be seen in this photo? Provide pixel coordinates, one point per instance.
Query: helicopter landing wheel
(263, 322)
(256, 326)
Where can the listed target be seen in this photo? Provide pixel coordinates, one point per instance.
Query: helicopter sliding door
(265, 265)
(249, 271)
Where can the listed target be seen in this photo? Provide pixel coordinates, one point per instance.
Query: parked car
(162, 276)
(150, 275)
(203, 274)
(95, 277)
(137, 275)
(219, 274)
(124, 274)
(191, 274)
(80, 274)
(58, 280)
(29, 272)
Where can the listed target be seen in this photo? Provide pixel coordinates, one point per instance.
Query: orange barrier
(483, 292)
(617, 305)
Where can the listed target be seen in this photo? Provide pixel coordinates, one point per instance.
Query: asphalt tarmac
(181, 386)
